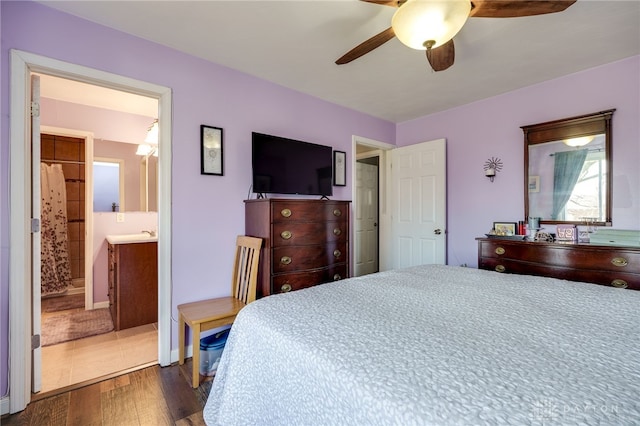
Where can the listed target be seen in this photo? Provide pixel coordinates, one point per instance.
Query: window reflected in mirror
(568, 183)
(108, 194)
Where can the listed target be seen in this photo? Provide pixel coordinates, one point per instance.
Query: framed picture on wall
(534, 183)
(211, 144)
(339, 168)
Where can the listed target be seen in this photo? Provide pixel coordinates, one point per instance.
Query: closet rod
(62, 161)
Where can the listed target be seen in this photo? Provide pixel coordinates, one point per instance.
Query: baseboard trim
(188, 353)
(75, 290)
(100, 305)
(4, 405)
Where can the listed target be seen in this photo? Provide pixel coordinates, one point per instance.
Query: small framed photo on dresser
(505, 228)
(566, 233)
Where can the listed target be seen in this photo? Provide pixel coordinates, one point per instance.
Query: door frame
(384, 222)
(20, 310)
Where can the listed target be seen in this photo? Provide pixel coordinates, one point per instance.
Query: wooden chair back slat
(245, 271)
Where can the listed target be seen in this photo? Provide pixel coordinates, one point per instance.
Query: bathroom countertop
(142, 237)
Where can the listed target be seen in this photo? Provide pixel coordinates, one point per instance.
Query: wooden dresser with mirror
(599, 264)
(567, 181)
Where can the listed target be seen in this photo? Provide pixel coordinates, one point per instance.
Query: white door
(418, 204)
(36, 373)
(366, 221)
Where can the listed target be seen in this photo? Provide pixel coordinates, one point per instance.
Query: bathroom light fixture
(150, 147)
(145, 149)
(423, 25)
(152, 133)
(580, 141)
(491, 167)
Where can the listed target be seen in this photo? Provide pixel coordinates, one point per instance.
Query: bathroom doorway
(72, 354)
(23, 362)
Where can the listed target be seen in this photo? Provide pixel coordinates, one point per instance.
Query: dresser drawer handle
(285, 260)
(618, 283)
(337, 231)
(500, 250)
(337, 253)
(500, 268)
(285, 235)
(337, 277)
(285, 288)
(285, 212)
(619, 261)
(337, 212)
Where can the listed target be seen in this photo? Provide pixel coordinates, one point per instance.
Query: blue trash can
(211, 348)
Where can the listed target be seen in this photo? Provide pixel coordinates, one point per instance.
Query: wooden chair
(212, 313)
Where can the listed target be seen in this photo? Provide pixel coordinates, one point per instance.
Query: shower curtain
(55, 266)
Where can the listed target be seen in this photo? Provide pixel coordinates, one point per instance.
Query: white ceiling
(295, 43)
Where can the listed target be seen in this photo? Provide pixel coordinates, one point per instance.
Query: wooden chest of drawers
(606, 265)
(306, 242)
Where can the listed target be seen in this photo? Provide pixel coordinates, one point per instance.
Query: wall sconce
(491, 167)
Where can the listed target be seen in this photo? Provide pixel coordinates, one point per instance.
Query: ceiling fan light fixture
(579, 141)
(422, 24)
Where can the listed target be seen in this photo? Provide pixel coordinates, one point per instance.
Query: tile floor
(85, 359)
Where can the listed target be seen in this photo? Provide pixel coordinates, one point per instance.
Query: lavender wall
(208, 211)
(491, 128)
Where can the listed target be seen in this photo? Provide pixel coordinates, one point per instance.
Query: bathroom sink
(142, 237)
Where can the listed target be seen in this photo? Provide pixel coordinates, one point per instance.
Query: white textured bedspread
(437, 345)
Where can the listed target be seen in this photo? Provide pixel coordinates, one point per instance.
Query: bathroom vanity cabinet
(133, 284)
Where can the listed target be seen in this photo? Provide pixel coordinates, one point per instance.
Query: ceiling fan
(431, 24)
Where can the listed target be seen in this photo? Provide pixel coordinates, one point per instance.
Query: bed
(433, 344)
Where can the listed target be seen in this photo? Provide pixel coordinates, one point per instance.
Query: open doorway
(23, 361)
(369, 195)
(99, 171)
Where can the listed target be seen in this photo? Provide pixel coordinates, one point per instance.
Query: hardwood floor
(151, 396)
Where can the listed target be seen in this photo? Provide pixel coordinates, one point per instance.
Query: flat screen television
(287, 166)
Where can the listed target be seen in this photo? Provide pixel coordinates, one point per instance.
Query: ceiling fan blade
(367, 46)
(442, 57)
(515, 8)
(392, 3)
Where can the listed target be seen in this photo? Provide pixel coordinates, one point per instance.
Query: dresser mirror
(568, 169)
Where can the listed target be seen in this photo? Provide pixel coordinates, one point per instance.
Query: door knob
(437, 231)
